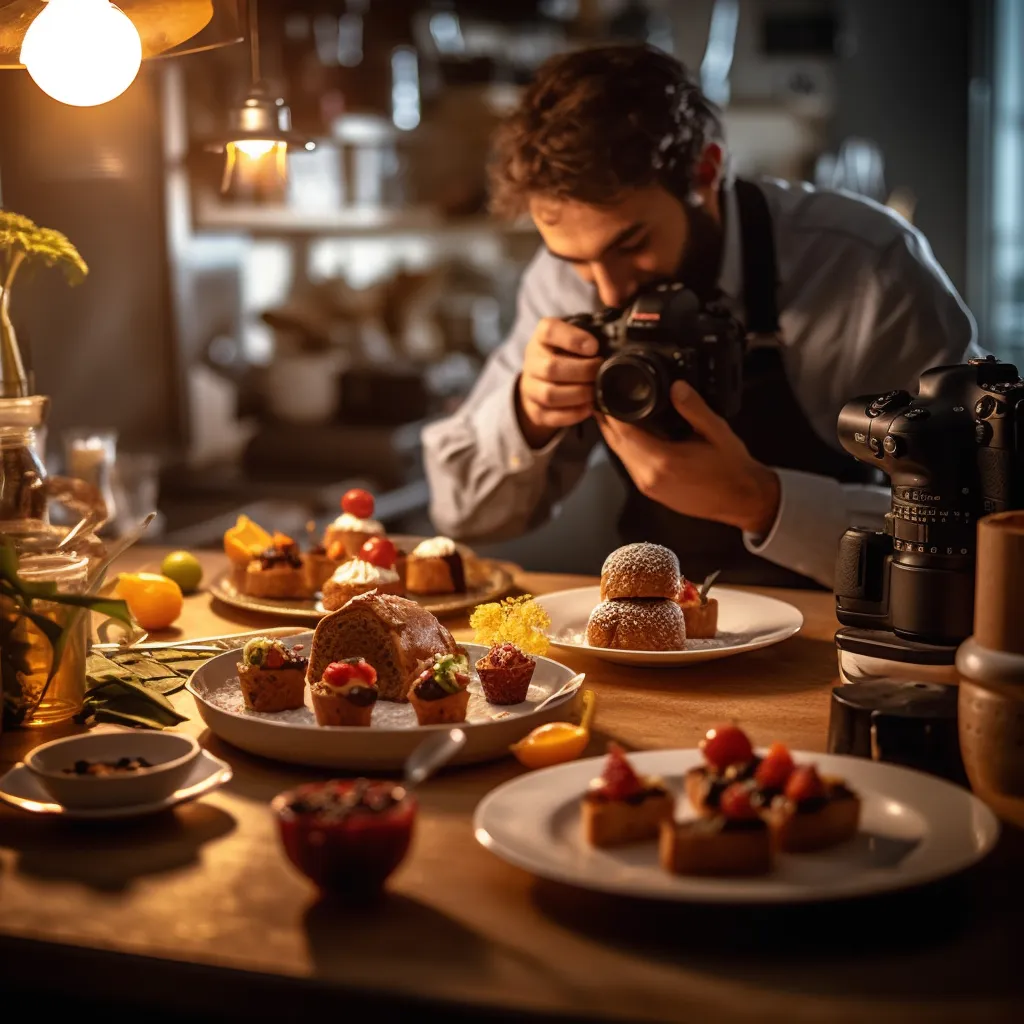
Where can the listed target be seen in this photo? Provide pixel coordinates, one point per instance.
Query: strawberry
(774, 771)
(274, 658)
(688, 593)
(804, 784)
(724, 745)
(619, 779)
(358, 503)
(379, 551)
(735, 802)
(338, 673)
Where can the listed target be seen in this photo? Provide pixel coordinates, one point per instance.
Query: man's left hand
(709, 476)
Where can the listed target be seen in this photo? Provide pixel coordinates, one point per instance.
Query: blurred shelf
(352, 222)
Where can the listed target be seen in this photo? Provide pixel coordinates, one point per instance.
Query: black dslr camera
(954, 453)
(666, 334)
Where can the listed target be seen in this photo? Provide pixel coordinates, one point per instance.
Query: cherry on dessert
(724, 745)
(804, 784)
(358, 503)
(735, 802)
(379, 551)
(774, 771)
(618, 779)
(338, 673)
(688, 593)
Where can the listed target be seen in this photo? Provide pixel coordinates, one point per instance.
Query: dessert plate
(393, 734)
(20, 788)
(486, 581)
(915, 828)
(746, 621)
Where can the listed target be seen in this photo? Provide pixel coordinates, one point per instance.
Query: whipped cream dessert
(436, 547)
(360, 573)
(353, 524)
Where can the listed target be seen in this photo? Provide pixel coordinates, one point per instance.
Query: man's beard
(701, 261)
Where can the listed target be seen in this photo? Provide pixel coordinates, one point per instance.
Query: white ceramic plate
(746, 622)
(915, 828)
(20, 788)
(393, 734)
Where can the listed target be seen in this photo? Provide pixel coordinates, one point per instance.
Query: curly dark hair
(596, 121)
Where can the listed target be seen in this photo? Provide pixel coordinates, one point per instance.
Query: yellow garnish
(516, 620)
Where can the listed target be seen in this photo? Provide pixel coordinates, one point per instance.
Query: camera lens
(628, 387)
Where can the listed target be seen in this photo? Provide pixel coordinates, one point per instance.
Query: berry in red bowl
(347, 835)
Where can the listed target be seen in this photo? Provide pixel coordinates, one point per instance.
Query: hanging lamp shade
(167, 28)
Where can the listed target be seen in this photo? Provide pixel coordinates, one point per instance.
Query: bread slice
(715, 846)
(392, 633)
(804, 831)
(618, 822)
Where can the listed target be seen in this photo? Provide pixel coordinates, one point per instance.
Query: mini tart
(636, 818)
(351, 704)
(352, 532)
(358, 577)
(271, 681)
(435, 567)
(439, 692)
(701, 619)
(705, 786)
(817, 823)
(320, 564)
(277, 573)
(505, 673)
(716, 846)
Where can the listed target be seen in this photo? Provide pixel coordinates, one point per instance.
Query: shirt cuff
(518, 454)
(811, 519)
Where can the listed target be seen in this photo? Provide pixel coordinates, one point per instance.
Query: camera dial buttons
(890, 400)
(893, 446)
(984, 407)
(982, 432)
(918, 412)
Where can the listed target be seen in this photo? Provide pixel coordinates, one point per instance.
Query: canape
(272, 678)
(439, 692)
(347, 693)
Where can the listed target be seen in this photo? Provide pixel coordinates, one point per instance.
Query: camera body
(953, 454)
(666, 334)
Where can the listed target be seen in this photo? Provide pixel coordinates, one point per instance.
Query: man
(619, 160)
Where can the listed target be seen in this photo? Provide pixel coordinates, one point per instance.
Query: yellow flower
(516, 620)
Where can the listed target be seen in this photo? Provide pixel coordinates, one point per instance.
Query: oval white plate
(746, 622)
(915, 828)
(294, 736)
(20, 788)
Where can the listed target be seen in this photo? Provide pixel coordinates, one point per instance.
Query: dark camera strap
(760, 270)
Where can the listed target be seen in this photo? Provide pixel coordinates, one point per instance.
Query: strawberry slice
(774, 771)
(619, 779)
(688, 593)
(338, 673)
(804, 784)
(736, 803)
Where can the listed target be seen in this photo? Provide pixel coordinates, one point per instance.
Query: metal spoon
(566, 688)
(431, 754)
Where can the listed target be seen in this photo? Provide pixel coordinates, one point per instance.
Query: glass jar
(23, 494)
(31, 653)
(90, 455)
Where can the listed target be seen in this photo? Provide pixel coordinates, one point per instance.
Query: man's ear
(707, 175)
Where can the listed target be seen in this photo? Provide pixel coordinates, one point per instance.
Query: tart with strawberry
(439, 692)
(735, 840)
(729, 757)
(272, 677)
(505, 673)
(356, 525)
(347, 693)
(813, 812)
(623, 807)
(321, 562)
(700, 612)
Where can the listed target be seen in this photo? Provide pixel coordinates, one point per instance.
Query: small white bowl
(171, 754)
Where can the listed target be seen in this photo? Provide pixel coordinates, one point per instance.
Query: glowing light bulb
(255, 148)
(82, 52)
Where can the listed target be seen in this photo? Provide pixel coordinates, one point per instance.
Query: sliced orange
(154, 600)
(245, 540)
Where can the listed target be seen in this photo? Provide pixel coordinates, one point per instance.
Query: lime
(183, 567)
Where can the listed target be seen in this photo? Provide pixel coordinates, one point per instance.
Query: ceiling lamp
(259, 133)
(86, 52)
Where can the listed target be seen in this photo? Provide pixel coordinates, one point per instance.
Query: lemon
(183, 567)
(155, 601)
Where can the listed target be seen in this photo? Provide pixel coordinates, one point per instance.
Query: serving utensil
(432, 754)
(569, 687)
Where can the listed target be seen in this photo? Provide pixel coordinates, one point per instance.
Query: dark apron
(770, 423)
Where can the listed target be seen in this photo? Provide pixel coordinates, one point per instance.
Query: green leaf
(108, 606)
(8, 561)
(50, 629)
(123, 718)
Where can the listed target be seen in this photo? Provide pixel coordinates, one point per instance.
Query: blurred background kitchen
(259, 333)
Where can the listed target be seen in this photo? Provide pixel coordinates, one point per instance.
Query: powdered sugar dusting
(386, 714)
(658, 623)
(626, 570)
(578, 637)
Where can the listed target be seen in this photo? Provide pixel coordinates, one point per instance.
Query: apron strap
(760, 270)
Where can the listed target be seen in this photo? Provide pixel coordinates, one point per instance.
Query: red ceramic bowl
(346, 835)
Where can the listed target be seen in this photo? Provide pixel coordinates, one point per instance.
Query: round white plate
(20, 788)
(393, 734)
(746, 622)
(915, 828)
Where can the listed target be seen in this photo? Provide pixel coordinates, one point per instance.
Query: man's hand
(556, 388)
(711, 476)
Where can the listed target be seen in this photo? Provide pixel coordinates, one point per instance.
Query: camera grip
(862, 578)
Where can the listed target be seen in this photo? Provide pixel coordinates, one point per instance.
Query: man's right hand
(556, 387)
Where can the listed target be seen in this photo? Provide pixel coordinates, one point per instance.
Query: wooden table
(198, 911)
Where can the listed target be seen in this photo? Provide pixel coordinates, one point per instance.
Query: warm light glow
(255, 148)
(82, 52)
